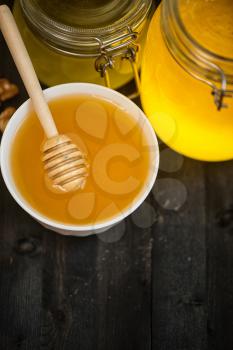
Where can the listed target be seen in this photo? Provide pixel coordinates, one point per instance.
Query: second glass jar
(72, 41)
(187, 77)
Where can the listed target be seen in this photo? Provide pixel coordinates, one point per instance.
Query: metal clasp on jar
(124, 46)
(220, 93)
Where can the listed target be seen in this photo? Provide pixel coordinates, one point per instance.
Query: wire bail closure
(124, 46)
(219, 93)
(219, 96)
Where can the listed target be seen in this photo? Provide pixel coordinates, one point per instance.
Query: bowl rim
(15, 123)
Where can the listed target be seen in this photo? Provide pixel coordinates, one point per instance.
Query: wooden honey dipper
(63, 161)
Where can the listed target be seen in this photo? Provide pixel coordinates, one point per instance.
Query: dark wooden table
(162, 280)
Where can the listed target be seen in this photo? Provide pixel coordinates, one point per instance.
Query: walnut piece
(5, 117)
(7, 90)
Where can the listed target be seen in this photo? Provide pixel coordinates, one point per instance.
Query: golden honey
(115, 147)
(66, 39)
(181, 107)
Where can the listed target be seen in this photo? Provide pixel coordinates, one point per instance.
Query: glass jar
(97, 41)
(187, 77)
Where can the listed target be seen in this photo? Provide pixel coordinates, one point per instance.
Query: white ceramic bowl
(71, 89)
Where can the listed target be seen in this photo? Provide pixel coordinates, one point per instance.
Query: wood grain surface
(166, 286)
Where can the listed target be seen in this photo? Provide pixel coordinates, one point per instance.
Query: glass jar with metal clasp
(187, 77)
(96, 41)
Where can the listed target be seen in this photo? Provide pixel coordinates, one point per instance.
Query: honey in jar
(91, 41)
(187, 77)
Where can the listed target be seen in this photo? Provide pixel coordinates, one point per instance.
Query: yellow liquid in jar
(180, 107)
(55, 68)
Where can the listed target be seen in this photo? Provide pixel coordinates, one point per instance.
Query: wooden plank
(20, 276)
(67, 293)
(20, 256)
(219, 204)
(96, 293)
(179, 266)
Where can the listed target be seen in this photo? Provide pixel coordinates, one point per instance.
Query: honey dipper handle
(26, 70)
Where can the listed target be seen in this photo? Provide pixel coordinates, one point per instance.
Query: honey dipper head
(64, 163)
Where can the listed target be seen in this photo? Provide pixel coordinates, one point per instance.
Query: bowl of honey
(121, 149)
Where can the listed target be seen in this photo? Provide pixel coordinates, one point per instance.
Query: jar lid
(79, 26)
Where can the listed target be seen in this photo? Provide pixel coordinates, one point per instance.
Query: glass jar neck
(78, 39)
(203, 64)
